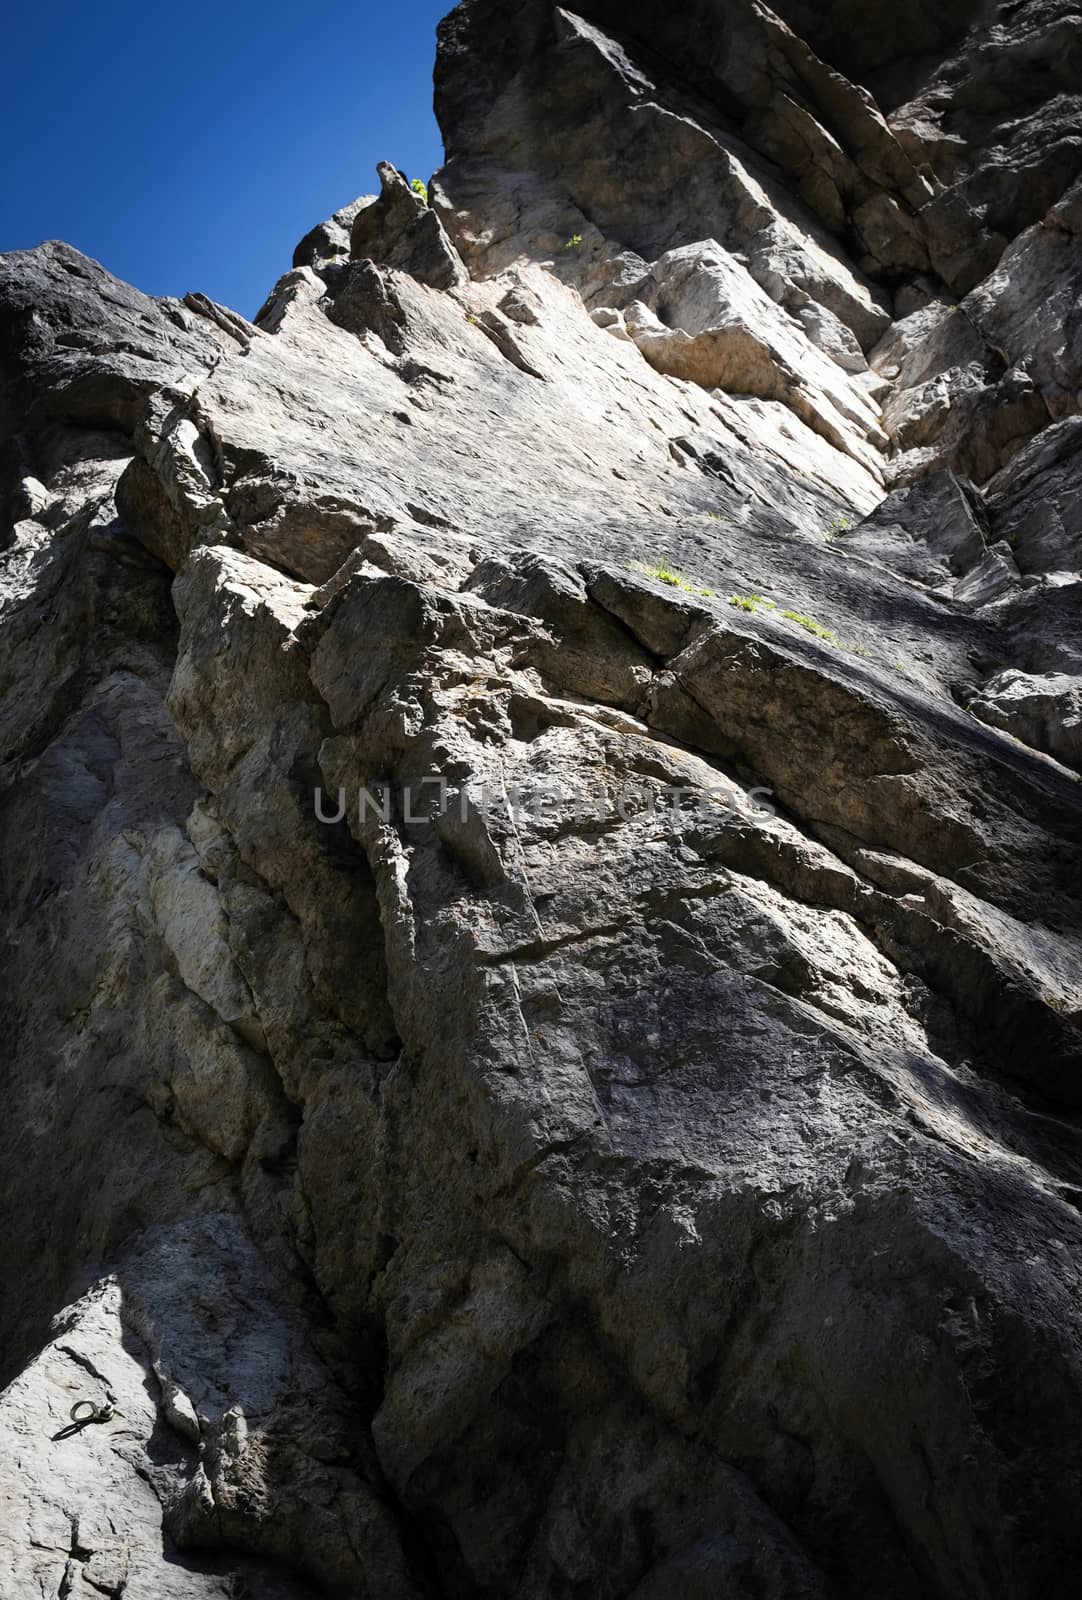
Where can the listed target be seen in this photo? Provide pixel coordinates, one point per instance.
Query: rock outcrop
(542, 846)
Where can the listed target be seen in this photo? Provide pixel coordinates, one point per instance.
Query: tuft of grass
(810, 625)
(661, 572)
(574, 242)
(715, 516)
(420, 187)
(839, 526)
(752, 602)
(665, 574)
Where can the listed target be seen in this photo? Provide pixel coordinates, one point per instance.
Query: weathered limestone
(542, 848)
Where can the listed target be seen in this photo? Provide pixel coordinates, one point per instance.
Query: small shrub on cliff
(421, 188)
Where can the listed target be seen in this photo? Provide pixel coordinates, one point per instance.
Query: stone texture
(542, 847)
(1044, 712)
(930, 532)
(997, 124)
(1029, 305)
(327, 244)
(400, 229)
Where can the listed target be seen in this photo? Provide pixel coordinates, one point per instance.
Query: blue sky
(190, 146)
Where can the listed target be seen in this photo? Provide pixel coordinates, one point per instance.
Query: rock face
(542, 846)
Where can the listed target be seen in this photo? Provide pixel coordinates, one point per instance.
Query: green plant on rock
(839, 526)
(810, 625)
(419, 187)
(662, 572)
(751, 602)
(574, 242)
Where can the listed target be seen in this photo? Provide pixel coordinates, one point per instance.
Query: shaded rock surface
(542, 847)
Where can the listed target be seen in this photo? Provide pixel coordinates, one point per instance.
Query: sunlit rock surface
(542, 840)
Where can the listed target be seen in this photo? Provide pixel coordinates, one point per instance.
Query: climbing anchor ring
(87, 1411)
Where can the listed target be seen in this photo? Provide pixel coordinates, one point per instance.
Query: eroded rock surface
(542, 847)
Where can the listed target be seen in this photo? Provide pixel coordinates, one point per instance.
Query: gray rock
(881, 46)
(1035, 502)
(1029, 305)
(928, 532)
(996, 122)
(542, 848)
(607, 81)
(327, 244)
(993, 578)
(401, 230)
(1044, 712)
(216, 1422)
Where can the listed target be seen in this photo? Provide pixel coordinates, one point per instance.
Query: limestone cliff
(541, 846)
